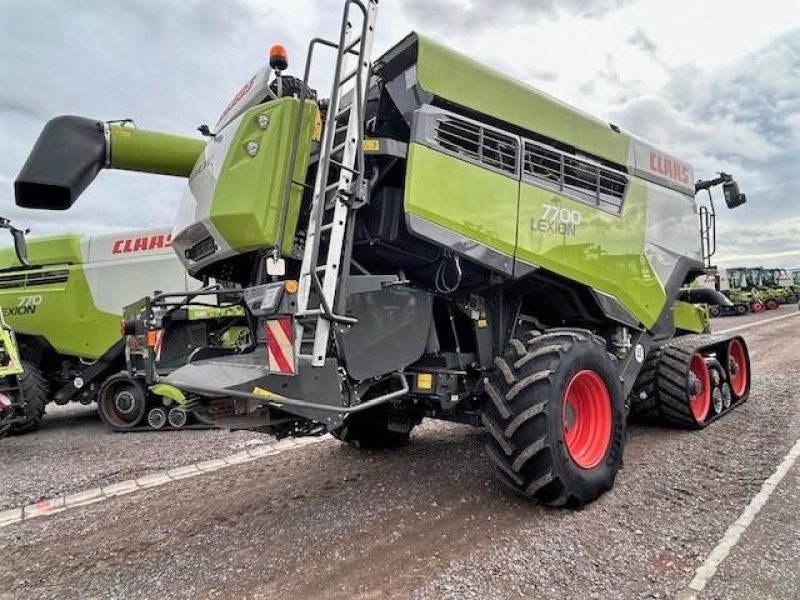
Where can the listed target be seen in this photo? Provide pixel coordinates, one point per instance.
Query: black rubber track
(34, 393)
(370, 430)
(523, 416)
(672, 383)
(643, 398)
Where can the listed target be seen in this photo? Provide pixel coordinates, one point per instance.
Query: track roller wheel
(738, 366)
(714, 310)
(555, 415)
(740, 309)
(176, 417)
(771, 304)
(122, 402)
(157, 417)
(33, 387)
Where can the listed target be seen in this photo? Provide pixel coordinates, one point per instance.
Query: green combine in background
(450, 244)
(64, 300)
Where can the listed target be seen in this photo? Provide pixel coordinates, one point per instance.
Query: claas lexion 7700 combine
(434, 239)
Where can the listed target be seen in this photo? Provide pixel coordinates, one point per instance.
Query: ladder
(339, 181)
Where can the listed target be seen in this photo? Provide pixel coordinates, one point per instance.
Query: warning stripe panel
(280, 346)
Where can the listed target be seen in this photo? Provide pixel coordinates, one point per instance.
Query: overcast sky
(716, 82)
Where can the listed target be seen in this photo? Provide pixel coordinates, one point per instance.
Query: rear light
(153, 338)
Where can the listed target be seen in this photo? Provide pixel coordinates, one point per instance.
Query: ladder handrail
(346, 181)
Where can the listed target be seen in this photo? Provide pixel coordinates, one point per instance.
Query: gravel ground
(73, 450)
(428, 521)
(765, 562)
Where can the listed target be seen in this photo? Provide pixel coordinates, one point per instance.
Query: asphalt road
(426, 521)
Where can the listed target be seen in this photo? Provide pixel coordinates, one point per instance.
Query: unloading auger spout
(71, 151)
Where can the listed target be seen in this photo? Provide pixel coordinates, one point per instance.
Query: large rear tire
(34, 395)
(555, 414)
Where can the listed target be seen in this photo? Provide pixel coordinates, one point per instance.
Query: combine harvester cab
(447, 243)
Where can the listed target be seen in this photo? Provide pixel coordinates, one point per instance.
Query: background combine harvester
(65, 307)
(455, 245)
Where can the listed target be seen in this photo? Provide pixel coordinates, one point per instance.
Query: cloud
(725, 101)
(741, 119)
(466, 16)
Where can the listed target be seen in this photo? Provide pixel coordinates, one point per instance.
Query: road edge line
(52, 506)
(730, 538)
(756, 323)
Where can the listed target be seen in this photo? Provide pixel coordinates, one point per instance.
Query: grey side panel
(238, 376)
(441, 236)
(613, 309)
(664, 325)
(406, 93)
(391, 333)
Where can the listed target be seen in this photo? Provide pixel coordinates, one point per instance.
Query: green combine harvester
(64, 301)
(432, 240)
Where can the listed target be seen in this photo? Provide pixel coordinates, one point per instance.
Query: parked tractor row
(751, 289)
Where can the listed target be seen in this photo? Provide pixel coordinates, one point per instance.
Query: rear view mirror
(733, 197)
(20, 247)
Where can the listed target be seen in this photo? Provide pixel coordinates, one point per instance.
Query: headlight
(271, 296)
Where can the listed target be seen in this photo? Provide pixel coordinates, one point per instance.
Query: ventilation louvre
(581, 179)
(37, 278)
(477, 143)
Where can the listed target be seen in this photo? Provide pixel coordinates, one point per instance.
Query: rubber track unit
(33, 386)
(660, 394)
(523, 415)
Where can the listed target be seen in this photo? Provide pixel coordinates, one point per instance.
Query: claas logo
(139, 244)
(669, 167)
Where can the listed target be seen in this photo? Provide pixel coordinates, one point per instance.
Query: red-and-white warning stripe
(157, 345)
(280, 346)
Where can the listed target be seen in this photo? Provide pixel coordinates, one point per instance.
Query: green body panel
(153, 152)
(168, 391)
(474, 202)
(49, 250)
(65, 314)
(448, 74)
(690, 317)
(249, 192)
(604, 251)
(202, 314)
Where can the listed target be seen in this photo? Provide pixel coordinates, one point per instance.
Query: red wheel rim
(737, 367)
(772, 304)
(700, 403)
(756, 307)
(586, 418)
